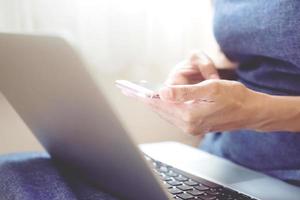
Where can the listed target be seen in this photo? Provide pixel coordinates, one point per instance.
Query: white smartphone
(140, 88)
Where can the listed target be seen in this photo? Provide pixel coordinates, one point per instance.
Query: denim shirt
(264, 37)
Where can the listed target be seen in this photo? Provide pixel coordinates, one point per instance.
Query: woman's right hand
(197, 68)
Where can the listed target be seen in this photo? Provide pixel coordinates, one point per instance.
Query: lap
(30, 176)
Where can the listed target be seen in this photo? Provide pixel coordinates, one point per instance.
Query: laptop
(48, 85)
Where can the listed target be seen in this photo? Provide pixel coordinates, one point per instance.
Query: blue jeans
(30, 176)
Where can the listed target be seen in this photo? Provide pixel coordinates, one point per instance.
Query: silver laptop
(48, 85)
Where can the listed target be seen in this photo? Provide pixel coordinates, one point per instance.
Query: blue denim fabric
(264, 37)
(33, 176)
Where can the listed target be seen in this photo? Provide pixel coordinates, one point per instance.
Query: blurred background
(119, 39)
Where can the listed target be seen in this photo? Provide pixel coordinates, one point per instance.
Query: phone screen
(139, 88)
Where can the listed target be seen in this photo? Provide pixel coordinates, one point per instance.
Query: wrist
(269, 113)
(259, 109)
(283, 113)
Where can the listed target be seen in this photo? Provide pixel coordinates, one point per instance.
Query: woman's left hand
(211, 105)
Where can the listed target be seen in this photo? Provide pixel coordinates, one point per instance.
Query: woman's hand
(198, 67)
(212, 105)
(197, 101)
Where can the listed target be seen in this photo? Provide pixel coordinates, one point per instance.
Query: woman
(255, 119)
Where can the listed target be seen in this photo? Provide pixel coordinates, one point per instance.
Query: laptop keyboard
(182, 185)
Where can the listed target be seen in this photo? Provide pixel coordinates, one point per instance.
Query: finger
(167, 111)
(184, 73)
(184, 77)
(176, 121)
(176, 78)
(183, 93)
(205, 65)
(171, 112)
(170, 118)
(166, 107)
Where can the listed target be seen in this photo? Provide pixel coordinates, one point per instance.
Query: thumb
(205, 65)
(183, 93)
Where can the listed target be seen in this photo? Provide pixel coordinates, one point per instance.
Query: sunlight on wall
(132, 39)
(135, 37)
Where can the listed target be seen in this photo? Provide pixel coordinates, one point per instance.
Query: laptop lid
(47, 84)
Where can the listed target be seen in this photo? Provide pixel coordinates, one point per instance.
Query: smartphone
(139, 88)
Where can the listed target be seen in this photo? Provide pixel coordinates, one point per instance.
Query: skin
(197, 101)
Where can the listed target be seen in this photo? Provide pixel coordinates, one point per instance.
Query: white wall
(134, 39)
